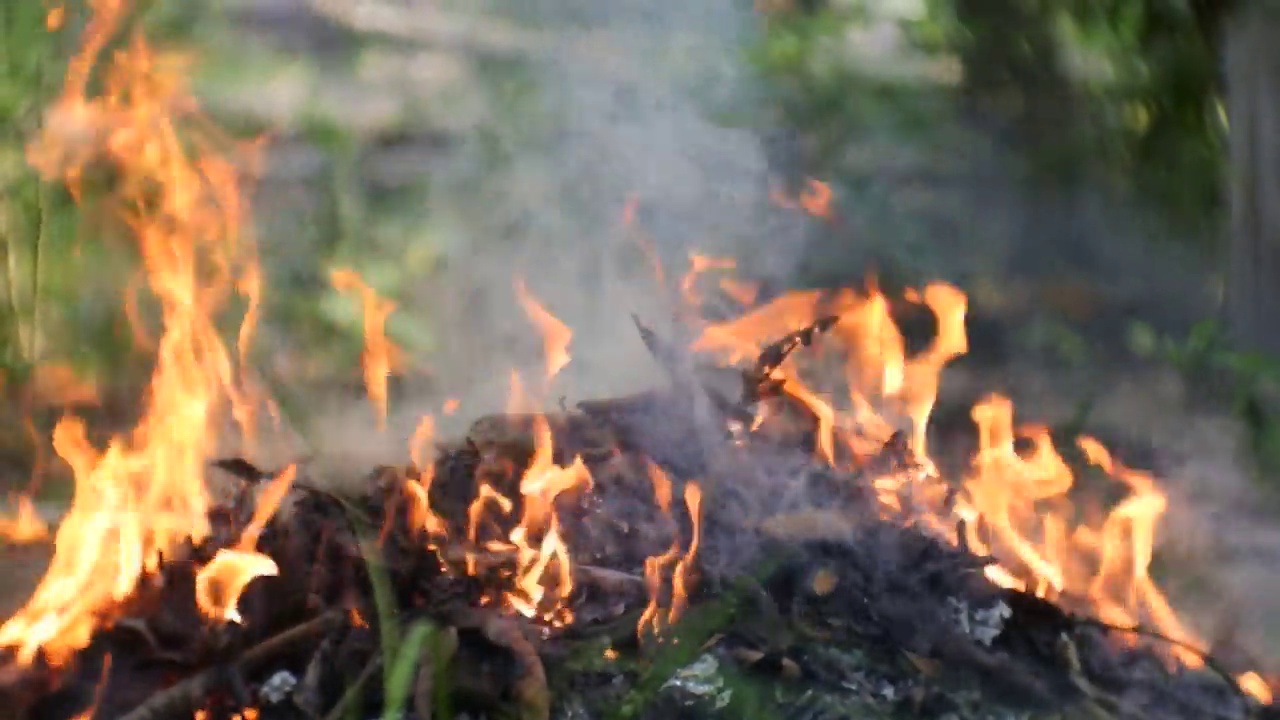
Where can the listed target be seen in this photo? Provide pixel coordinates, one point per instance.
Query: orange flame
(26, 525)
(419, 489)
(699, 265)
(178, 194)
(220, 583)
(655, 564)
(1014, 504)
(681, 577)
(144, 496)
(540, 549)
(814, 199)
(556, 336)
(381, 356)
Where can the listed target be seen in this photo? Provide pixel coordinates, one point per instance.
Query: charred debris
(799, 602)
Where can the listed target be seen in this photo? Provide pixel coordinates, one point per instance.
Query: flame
(1014, 503)
(682, 575)
(542, 581)
(655, 564)
(814, 199)
(556, 336)
(381, 356)
(178, 194)
(1252, 683)
(419, 489)
(25, 525)
(540, 549)
(698, 266)
(220, 583)
(55, 18)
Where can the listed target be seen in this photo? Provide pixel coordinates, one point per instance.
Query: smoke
(625, 104)
(606, 105)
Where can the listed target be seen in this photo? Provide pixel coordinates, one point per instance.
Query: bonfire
(772, 510)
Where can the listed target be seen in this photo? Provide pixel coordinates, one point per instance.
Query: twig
(352, 694)
(606, 579)
(611, 581)
(530, 688)
(183, 699)
(1209, 660)
(759, 382)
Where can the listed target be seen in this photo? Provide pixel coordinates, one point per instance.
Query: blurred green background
(1064, 161)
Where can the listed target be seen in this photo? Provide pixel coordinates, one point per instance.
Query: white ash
(981, 624)
(888, 692)
(278, 687)
(701, 679)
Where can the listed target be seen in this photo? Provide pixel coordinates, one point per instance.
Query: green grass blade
(400, 674)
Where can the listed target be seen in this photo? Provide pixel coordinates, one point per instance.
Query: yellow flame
(178, 194)
(381, 356)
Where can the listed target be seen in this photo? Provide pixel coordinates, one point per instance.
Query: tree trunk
(1252, 52)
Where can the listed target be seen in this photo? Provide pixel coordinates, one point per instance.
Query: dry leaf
(927, 667)
(824, 582)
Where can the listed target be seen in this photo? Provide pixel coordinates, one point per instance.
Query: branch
(184, 698)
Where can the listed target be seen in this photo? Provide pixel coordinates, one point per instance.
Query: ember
(770, 528)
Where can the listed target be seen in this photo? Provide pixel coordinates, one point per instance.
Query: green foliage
(60, 261)
(1249, 379)
(1122, 94)
(402, 649)
(404, 666)
(1162, 99)
(833, 100)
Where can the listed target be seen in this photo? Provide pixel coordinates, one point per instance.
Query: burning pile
(762, 523)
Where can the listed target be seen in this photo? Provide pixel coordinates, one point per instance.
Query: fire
(814, 199)
(556, 336)
(654, 566)
(1014, 503)
(419, 489)
(542, 580)
(380, 356)
(220, 583)
(25, 525)
(741, 291)
(681, 577)
(178, 195)
(144, 495)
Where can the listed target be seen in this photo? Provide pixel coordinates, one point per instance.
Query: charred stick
(759, 383)
(183, 699)
(611, 581)
(1208, 658)
(485, 560)
(531, 691)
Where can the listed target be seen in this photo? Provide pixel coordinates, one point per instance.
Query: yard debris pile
(767, 534)
(641, 590)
